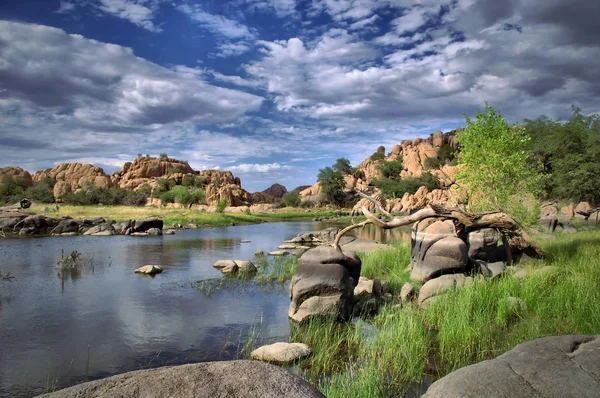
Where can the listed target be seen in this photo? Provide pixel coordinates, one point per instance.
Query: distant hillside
(276, 190)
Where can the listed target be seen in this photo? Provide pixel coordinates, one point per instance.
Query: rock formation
(561, 366)
(250, 379)
(323, 284)
(16, 172)
(146, 169)
(71, 177)
(276, 191)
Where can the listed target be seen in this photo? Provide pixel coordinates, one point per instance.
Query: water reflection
(59, 325)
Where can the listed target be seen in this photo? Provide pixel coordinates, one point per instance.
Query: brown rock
(438, 139)
(16, 172)
(281, 352)
(146, 169)
(149, 270)
(71, 177)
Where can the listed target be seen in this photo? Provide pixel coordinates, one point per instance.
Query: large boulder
(247, 379)
(144, 225)
(72, 177)
(483, 244)
(323, 284)
(561, 366)
(16, 173)
(37, 225)
(65, 226)
(145, 170)
(436, 249)
(437, 287)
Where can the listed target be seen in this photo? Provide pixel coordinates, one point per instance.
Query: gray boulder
(561, 366)
(100, 228)
(37, 224)
(121, 227)
(243, 379)
(154, 232)
(433, 289)
(144, 225)
(436, 249)
(281, 352)
(323, 284)
(483, 244)
(66, 226)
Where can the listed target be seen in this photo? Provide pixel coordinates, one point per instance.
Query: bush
(42, 192)
(223, 203)
(377, 156)
(163, 156)
(193, 181)
(175, 170)
(391, 169)
(393, 188)
(167, 197)
(92, 195)
(12, 189)
(307, 204)
(292, 199)
(343, 166)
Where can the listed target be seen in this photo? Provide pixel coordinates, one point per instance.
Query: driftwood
(504, 223)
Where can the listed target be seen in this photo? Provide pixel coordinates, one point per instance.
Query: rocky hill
(414, 155)
(70, 177)
(146, 169)
(16, 172)
(276, 191)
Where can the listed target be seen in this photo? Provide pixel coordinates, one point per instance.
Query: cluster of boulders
(71, 177)
(555, 219)
(25, 224)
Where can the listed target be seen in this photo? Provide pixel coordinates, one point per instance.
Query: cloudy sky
(276, 89)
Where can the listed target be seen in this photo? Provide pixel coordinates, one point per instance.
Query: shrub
(167, 197)
(307, 204)
(377, 156)
(163, 156)
(42, 192)
(391, 169)
(292, 199)
(223, 203)
(12, 189)
(175, 170)
(343, 166)
(332, 185)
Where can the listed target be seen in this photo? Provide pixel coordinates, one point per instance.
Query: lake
(58, 329)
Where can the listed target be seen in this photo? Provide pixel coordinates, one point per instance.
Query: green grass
(464, 327)
(275, 269)
(172, 216)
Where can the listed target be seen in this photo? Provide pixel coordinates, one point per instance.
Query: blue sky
(276, 89)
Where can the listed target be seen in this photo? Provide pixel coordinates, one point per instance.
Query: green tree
(163, 156)
(42, 191)
(12, 189)
(182, 195)
(292, 199)
(221, 205)
(343, 166)
(494, 160)
(332, 185)
(391, 169)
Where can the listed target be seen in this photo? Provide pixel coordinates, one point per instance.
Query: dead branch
(375, 202)
(499, 220)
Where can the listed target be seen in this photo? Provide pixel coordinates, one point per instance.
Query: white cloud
(232, 49)
(364, 22)
(246, 168)
(217, 24)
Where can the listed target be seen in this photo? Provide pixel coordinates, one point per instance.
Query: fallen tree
(464, 221)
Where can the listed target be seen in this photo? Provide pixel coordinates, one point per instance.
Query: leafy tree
(391, 169)
(42, 191)
(221, 205)
(175, 170)
(378, 156)
(292, 199)
(332, 185)
(163, 156)
(182, 195)
(494, 159)
(396, 188)
(569, 153)
(12, 189)
(343, 166)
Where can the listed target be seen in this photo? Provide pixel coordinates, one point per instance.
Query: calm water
(56, 329)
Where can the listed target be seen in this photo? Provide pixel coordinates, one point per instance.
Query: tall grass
(462, 328)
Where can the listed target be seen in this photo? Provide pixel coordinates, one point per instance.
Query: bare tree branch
(499, 220)
(375, 202)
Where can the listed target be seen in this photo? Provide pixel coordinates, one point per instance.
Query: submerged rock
(562, 366)
(281, 352)
(149, 270)
(248, 379)
(279, 253)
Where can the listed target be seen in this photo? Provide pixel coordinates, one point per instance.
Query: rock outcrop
(561, 366)
(276, 191)
(281, 352)
(146, 169)
(71, 177)
(249, 379)
(16, 173)
(323, 284)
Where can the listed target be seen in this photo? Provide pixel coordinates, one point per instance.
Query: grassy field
(399, 347)
(174, 216)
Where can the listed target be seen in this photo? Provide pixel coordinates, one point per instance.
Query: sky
(274, 90)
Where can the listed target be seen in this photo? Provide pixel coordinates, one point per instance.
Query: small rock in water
(279, 253)
(287, 246)
(169, 232)
(223, 263)
(149, 270)
(245, 266)
(259, 253)
(281, 352)
(139, 234)
(244, 241)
